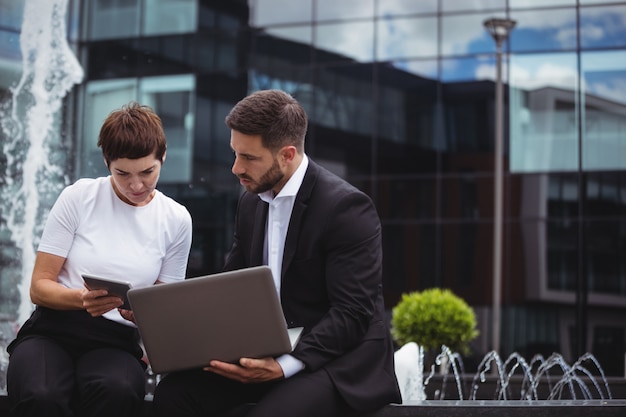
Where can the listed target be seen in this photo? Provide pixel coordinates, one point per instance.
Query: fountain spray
(49, 71)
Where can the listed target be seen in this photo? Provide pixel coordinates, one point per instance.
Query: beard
(268, 180)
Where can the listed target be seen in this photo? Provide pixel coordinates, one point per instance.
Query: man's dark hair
(274, 115)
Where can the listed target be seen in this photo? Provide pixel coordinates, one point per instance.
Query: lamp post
(499, 29)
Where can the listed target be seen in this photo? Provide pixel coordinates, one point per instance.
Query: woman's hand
(127, 314)
(98, 302)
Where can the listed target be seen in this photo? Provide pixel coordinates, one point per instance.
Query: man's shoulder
(328, 182)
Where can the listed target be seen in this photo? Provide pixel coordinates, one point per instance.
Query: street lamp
(499, 29)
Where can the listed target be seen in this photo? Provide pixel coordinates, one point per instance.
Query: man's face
(256, 167)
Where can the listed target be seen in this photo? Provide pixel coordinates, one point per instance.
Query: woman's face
(134, 180)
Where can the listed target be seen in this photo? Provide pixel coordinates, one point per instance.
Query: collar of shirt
(292, 186)
(277, 223)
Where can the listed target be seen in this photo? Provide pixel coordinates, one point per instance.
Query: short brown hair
(274, 115)
(132, 132)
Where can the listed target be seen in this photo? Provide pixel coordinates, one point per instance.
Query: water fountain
(35, 173)
(511, 386)
(35, 165)
(579, 378)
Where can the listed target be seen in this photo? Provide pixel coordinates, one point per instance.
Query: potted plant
(433, 318)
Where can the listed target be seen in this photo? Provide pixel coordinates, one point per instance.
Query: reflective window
(114, 19)
(540, 3)
(412, 253)
(543, 30)
(343, 102)
(561, 253)
(583, 2)
(169, 96)
(259, 80)
(426, 68)
(604, 133)
(405, 7)
(467, 243)
(302, 34)
(344, 9)
(456, 5)
(170, 16)
(555, 195)
(482, 67)
(11, 14)
(408, 198)
(350, 40)
(465, 34)
(603, 26)
(340, 103)
(465, 105)
(606, 264)
(213, 157)
(542, 115)
(605, 194)
(269, 12)
(460, 194)
(11, 61)
(410, 123)
(406, 38)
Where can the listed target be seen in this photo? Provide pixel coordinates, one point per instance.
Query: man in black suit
(322, 239)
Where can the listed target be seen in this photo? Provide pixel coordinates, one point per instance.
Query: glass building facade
(400, 97)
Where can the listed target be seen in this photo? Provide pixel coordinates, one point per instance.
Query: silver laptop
(223, 316)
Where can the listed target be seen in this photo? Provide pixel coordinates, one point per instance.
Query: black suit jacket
(331, 283)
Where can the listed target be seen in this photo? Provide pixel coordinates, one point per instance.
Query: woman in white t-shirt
(79, 354)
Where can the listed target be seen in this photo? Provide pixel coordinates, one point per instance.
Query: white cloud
(612, 90)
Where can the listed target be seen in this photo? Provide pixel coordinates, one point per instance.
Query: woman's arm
(46, 291)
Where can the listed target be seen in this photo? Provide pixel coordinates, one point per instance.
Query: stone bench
(454, 408)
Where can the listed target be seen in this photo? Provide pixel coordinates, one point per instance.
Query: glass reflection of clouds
(351, 39)
(265, 12)
(542, 116)
(544, 30)
(540, 3)
(604, 74)
(603, 26)
(423, 68)
(405, 7)
(556, 70)
(584, 2)
(392, 35)
(465, 5)
(604, 87)
(299, 33)
(343, 9)
(469, 69)
(464, 34)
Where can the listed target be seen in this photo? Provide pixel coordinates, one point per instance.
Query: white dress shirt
(279, 214)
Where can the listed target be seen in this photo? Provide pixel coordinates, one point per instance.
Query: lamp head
(499, 29)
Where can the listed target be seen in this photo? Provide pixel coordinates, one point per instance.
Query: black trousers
(203, 394)
(67, 363)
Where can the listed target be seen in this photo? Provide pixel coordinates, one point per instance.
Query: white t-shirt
(99, 234)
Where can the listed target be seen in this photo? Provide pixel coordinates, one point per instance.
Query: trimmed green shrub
(432, 318)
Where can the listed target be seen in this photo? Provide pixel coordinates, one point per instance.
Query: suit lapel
(258, 233)
(299, 208)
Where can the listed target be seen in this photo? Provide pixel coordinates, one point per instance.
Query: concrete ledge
(453, 408)
(514, 408)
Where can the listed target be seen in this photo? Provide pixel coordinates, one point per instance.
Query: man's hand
(249, 370)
